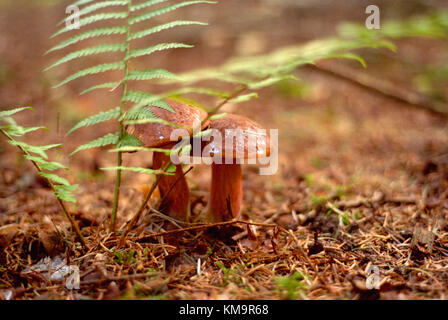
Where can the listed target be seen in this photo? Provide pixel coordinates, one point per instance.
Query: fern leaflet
(108, 139)
(159, 28)
(145, 4)
(98, 118)
(150, 74)
(93, 70)
(92, 19)
(158, 47)
(89, 51)
(89, 34)
(107, 85)
(94, 7)
(155, 13)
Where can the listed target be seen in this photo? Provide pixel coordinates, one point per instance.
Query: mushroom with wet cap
(251, 143)
(173, 188)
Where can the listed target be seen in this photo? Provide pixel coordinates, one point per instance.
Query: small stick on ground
(211, 225)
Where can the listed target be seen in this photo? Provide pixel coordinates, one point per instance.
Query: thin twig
(211, 225)
(173, 185)
(120, 278)
(384, 87)
(232, 95)
(137, 215)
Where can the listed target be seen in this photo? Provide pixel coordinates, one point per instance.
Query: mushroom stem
(173, 189)
(226, 194)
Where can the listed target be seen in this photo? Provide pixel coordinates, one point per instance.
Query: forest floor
(362, 185)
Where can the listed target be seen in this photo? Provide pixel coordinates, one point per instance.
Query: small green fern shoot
(60, 186)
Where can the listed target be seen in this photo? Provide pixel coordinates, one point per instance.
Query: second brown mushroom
(226, 192)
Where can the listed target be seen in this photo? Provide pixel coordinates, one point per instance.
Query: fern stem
(50, 183)
(113, 220)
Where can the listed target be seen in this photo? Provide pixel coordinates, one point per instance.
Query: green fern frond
(107, 85)
(158, 47)
(150, 74)
(102, 48)
(97, 118)
(134, 169)
(18, 131)
(60, 187)
(8, 113)
(138, 114)
(159, 28)
(55, 178)
(145, 4)
(89, 34)
(92, 19)
(93, 70)
(63, 192)
(158, 12)
(46, 165)
(249, 70)
(108, 139)
(11, 126)
(139, 97)
(94, 7)
(129, 140)
(40, 150)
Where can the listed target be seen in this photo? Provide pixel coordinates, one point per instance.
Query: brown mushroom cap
(158, 134)
(252, 143)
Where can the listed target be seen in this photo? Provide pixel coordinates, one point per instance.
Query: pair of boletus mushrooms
(226, 192)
